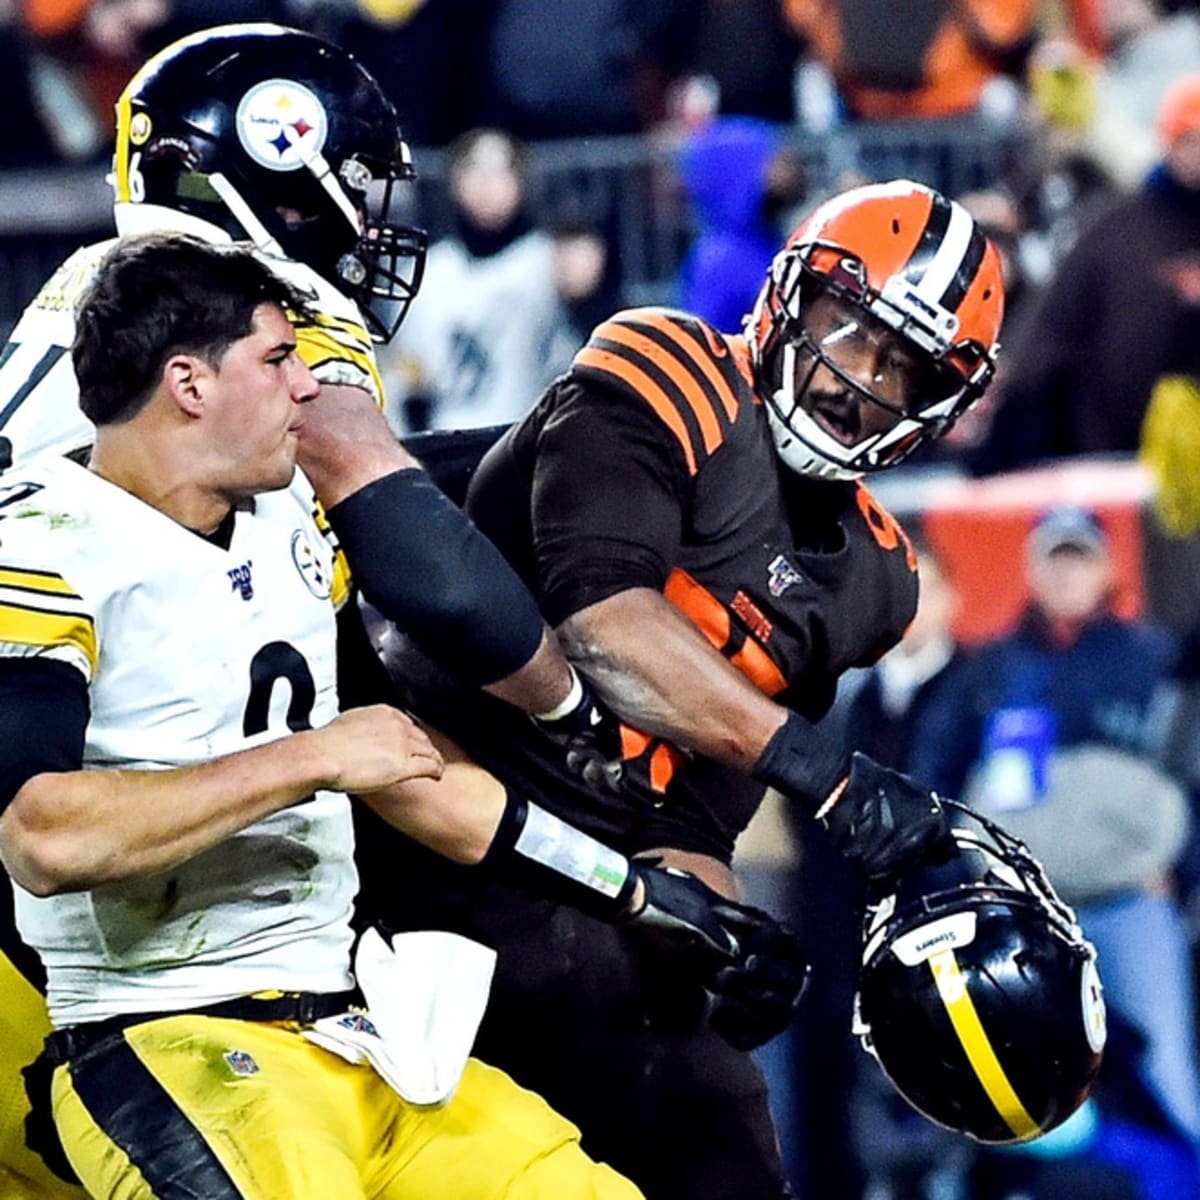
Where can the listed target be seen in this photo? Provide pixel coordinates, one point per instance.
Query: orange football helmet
(909, 273)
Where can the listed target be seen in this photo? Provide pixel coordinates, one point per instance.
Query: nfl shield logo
(240, 1063)
(782, 575)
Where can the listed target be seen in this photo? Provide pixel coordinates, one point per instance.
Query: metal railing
(629, 186)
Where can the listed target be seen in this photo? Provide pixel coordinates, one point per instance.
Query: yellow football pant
(23, 1025)
(211, 1109)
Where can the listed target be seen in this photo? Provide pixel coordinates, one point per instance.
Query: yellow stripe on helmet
(123, 148)
(952, 988)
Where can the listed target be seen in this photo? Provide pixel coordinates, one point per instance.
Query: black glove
(884, 822)
(753, 967)
(756, 997)
(590, 737)
(684, 914)
(880, 820)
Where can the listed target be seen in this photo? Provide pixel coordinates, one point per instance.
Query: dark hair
(162, 294)
(465, 146)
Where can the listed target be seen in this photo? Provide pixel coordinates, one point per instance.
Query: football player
(174, 808)
(260, 133)
(688, 506)
(171, 852)
(266, 134)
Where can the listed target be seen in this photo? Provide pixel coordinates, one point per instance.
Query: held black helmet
(978, 993)
(280, 138)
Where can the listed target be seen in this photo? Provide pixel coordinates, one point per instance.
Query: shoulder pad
(336, 346)
(42, 612)
(676, 363)
(64, 288)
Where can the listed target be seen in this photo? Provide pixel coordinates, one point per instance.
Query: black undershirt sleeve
(424, 565)
(609, 497)
(44, 712)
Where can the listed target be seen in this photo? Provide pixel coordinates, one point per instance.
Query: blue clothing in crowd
(724, 170)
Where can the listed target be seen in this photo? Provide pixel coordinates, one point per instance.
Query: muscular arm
(657, 671)
(420, 561)
(347, 443)
(73, 830)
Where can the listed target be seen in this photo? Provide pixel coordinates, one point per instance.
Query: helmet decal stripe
(968, 269)
(120, 176)
(941, 261)
(952, 988)
(930, 243)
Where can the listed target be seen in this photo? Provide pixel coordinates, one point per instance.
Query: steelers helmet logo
(139, 128)
(1095, 1024)
(316, 577)
(281, 124)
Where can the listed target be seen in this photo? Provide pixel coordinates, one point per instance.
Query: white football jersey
(190, 652)
(478, 339)
(39, 399)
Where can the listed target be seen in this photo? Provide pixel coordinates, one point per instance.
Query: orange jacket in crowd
(893, 59)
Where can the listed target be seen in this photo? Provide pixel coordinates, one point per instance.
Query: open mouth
(838, 415)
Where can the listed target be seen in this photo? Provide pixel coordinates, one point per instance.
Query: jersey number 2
(276, 661)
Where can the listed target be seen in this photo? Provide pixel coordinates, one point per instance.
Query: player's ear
(183, 379)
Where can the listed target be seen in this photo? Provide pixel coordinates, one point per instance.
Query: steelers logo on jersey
(317, 578)
(281, 124)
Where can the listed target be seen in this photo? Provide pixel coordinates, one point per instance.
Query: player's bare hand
(374, 747)
(346, 443)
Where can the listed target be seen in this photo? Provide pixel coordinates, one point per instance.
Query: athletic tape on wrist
(567, 705)
(565, 862)
(803, 763)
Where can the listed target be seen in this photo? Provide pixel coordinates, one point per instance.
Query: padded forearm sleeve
(535, 848)
(421, 562)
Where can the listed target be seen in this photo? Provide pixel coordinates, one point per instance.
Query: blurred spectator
(747, 52)
(82, 55)
(28, 142)
(933, 59)
(473, 350)
(1171, 432)
(857, 1131)
(897, 712)
(1176, 732)
(999, 215)
(741, 181)
(586, 283)
(580, 68)
(1148, 48)
(1056, 718)
(426, 54)
(1079, 378)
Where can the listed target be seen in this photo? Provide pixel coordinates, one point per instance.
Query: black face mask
(314, 242)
